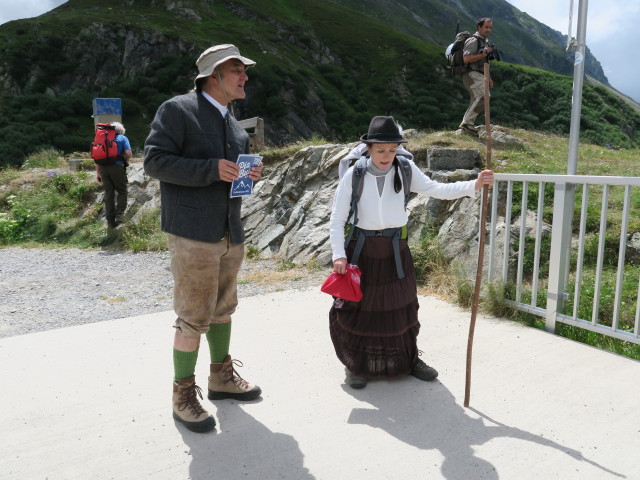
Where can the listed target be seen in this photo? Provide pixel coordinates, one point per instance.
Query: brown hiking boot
(187, 409)
(224, 382)
(469, 129)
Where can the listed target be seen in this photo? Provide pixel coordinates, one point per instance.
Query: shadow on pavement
(427, 417)
(251, 450)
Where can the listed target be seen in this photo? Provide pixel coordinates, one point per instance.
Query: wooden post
(257, 136)
(481, 235)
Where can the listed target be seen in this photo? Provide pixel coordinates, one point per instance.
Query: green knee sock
(184, 363)
(219, 336)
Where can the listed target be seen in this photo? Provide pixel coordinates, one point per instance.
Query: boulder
(453, 158)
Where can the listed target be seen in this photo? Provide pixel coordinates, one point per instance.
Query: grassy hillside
(321, 71)
(46, 204)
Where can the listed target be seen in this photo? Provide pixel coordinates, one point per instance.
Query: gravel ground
(45, 289)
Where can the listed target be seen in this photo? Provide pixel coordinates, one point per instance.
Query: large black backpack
(455, 60)
(455, 53)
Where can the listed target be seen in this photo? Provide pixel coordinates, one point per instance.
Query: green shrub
(14, 226)
(8, 174)
(45, 158)
(253, 252)
(611, 246)
(598, 340)
(285, 265)
(44, 228)
(464, 288)
(528, 259)
(428, 256)
(145, 235)
(493, 300)
(48, 211)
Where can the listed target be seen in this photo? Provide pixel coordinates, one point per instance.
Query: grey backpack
(357, 184)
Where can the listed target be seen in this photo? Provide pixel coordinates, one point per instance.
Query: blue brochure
(243, 186)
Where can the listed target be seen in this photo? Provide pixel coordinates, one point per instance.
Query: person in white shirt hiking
(377, 337)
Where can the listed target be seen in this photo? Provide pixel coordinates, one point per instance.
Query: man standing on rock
(475, 53)
(192, 149)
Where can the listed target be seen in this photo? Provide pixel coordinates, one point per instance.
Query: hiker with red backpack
(377, 336)
(111, 152)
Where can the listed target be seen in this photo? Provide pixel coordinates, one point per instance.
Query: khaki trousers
(205, 282)
(474, 82)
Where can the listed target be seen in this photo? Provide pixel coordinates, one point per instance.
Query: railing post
(563, 206)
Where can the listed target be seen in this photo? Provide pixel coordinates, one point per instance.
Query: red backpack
(104, 149)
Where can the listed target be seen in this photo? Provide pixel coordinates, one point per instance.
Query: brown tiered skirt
(376, 337)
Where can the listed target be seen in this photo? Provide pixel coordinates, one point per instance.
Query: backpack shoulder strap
(480, 41)
(357, 180)
(407, 174)
(357, 185)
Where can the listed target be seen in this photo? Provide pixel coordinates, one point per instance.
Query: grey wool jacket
(187, 139)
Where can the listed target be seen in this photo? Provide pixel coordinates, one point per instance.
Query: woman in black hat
(376, 337)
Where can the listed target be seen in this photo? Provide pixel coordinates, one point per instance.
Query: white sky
(611, 26)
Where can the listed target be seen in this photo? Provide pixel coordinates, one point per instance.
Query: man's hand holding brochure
(243, 185)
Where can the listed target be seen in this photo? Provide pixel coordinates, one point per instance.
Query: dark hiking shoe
(355, 381)
(224, 382)
(423, 371)
(187, 409)
(467, 128)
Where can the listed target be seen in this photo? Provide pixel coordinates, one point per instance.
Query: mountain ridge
(321, 71)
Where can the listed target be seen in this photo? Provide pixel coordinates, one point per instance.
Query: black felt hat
(383, 130)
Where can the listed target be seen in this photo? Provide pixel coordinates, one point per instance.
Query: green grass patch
(146, 234)
(45, 158)
(53, 209)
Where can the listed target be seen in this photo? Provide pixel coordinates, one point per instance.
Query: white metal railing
(562, 245)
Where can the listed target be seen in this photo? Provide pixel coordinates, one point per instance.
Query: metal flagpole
(578, 82)
(570, 39)
(481, 235)
(579, 44)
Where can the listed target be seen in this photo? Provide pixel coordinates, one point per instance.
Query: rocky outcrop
(289, 211)
(288, 214)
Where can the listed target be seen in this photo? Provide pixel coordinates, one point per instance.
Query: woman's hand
(340, 265)
(485, 178)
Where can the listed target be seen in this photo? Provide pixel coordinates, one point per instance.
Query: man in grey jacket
(192, 149)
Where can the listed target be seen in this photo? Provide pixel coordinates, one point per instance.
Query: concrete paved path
(94, 402)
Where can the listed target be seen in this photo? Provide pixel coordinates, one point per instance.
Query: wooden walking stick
(481, 234)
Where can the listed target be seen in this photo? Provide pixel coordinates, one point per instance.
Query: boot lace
(189, 398)
(231, 375)
(420, 365)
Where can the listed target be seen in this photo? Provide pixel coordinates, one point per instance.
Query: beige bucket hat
(214, 56)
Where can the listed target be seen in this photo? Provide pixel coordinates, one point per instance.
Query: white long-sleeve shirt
(377, 212)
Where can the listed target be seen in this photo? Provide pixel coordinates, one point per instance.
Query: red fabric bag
(345, 286)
